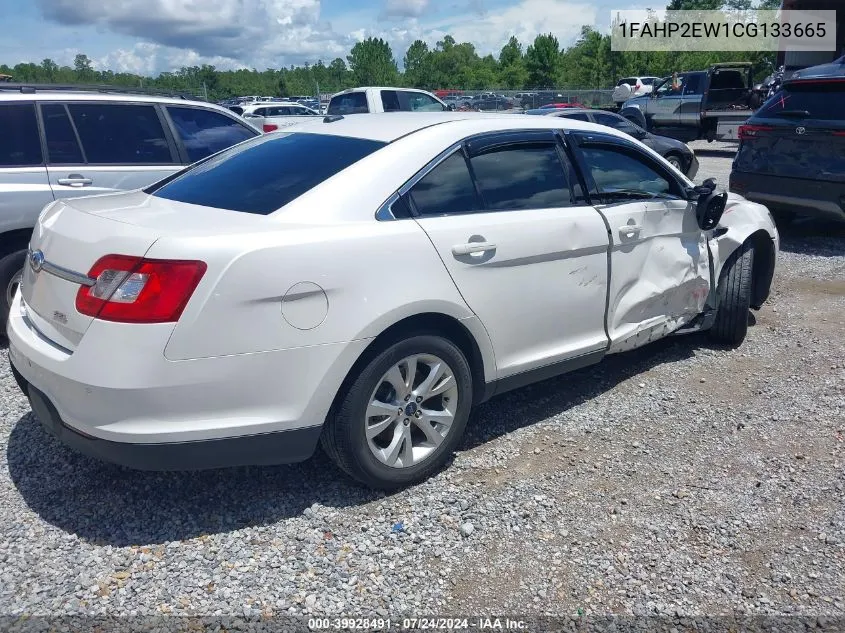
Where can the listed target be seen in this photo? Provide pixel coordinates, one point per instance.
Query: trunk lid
(73, 234)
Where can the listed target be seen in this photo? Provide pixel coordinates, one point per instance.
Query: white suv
(632, 87)
(64, 143)
(372, 100)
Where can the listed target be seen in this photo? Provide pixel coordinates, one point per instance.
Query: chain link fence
(525, 99)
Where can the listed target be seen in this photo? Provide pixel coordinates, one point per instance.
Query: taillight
(839, 133)
(752, 131)
(270, 127)
(136, 290)
(638, 86)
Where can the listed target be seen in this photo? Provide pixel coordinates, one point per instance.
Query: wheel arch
(465, 333)
(635, 115)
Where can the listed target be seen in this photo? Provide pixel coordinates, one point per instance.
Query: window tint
(578, 116)
(628, 81)
(349, 103)
(408, 101)
(620, 175)
(521, 177)
(267, 173)
(204, 132)
(447, 188)
(62, 147)
(692, 84)
(648, 81)
(20, 144)
(824, 100)
(609, 120)
(117, 134)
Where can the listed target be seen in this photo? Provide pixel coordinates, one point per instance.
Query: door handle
(630, 230)
(75, 180)
(472, 247)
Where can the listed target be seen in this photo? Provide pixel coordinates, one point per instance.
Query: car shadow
(110, 505)
(821, 239)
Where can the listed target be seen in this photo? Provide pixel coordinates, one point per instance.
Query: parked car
(835, 68)
(63, 142)
(373, 100)
(708, 104)
(676, 153)
(492, 103)
(365, 250)
(632, 87)
(271, 117)
(562, 104)
(791, 153)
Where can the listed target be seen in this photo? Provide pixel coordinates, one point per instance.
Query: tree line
(588, 63)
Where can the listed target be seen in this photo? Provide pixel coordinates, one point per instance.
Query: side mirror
(710, 207)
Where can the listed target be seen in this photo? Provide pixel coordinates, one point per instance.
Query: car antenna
(332, 118)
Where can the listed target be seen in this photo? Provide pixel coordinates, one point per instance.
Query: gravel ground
(680, 478)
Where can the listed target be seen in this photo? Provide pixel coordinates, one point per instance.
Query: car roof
(391, 126)
(362, 88)
(90, 95)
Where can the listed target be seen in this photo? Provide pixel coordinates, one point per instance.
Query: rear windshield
(824, 100)
(648, 80)
(629, 81)
(349, 103)
(263, 175)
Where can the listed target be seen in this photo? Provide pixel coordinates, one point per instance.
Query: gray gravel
(680, 478)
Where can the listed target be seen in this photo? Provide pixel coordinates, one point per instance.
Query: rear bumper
(805, 197)
(118, 398)
(263, 449)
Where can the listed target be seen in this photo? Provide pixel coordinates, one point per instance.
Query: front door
(525, 251)
(659, 268)
(664, 104)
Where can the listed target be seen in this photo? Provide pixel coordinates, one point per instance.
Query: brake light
(270, 127)
(839, 133)
(638, 86)
(752, 131)
(136, 290)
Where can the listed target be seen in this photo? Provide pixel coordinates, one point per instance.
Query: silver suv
(62, 142)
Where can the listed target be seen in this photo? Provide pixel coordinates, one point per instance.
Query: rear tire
(11, 269)
(734, 290)
(348, 433)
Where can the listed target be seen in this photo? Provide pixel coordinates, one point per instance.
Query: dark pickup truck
(704, 104)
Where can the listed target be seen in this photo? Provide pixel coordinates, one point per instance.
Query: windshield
(823, 100)
(263, 175)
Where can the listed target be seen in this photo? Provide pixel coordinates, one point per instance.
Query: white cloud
(167, 34)
(405, 8)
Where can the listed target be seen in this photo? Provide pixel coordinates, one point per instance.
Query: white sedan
(362, 282)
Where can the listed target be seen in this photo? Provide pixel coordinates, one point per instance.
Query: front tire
(734, 290)
(11, 269)
(676, 162)
(403, 415)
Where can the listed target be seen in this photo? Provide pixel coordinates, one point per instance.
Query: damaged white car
(362, 282)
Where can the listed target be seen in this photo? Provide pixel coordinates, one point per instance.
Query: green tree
(372, 63)
(83, 68)
(695, 5)
(512, 72)
(417, 64)
(543, 61)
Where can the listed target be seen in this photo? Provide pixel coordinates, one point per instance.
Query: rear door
(659, 266)
(24, 187)
(525, 250)
(798, 133)
(101, 147)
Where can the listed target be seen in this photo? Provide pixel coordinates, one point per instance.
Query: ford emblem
(36, 261)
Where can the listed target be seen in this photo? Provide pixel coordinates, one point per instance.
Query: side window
(117, 134)
(420, 102)
(390, 101)
(621, 175)
(578, 116)
(521, 177)
(20, 143)
(349, 103)
(62, 146)
(204, 132)
(260, 112)
(607, 119)
(692, 85)
(447, 188)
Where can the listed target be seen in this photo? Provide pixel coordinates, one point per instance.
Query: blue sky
(151, 36)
